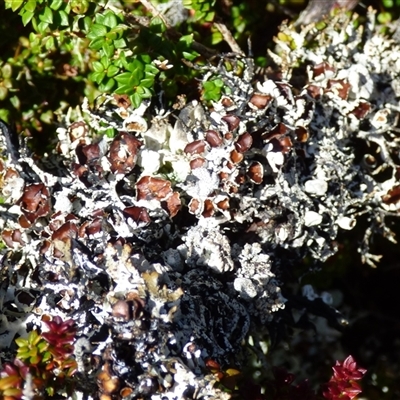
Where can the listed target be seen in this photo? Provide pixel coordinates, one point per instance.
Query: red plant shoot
(343, 385)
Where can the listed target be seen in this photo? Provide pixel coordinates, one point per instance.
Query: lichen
(169, 239)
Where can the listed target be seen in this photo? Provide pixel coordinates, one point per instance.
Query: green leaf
(157, 25)
(16, 102)
(136, 77)
(29, 6)
(135, 99)
(135, 66)
(108, 49)
(121, 60)
(46, 356)
(42, 346)
(50, 43)
(105, 61)
(98, 66)
(33, 338)
(6, 71)
(123, 78)
(110, 20)
(112, 71)
(97, 31)
(20, 342)
(87, 23)
(47, 15)
(47, 117)
(119, 43)
(97, 43)
(147, 83)
(144, 92)
(56, 4)
(34, 360)
(15, 4)
(187, 40)
(63, 16)
(98, 77)
(216, 37)
(145, 58)
(209, 17)
(111, 36)
(190, 56)
(42, 26)
(110, 133)
(3, 92)
(150, 68)
(209, 85)
(107, 85)
(124, 89)
(100, 18)
(26, 17)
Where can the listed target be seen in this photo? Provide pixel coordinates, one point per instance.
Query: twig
(154, 11)
(228, 37)
(173, 33)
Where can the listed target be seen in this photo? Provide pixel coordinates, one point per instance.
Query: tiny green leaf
(135, 66)
(100, 18)
(33, 338)
(187, 39)
(124, 89)
(97, 43)
(135, 99)
(110, 132)
(146, 93)
(20, 342)
(150, 68)
(145, 58)
(26, 17)
(98, 66)
(34, 360)
(47, 15)
(29, 6)
(87, 23)
(98, 77)
(6, 71)
(42, 26)
(190, 56)
(136, 76)
(63, 16)
(119, 43)
(96, 31)
(46, 356)
(15, 4)
(108, 49)
(147, 83)
(3, 92)
(112, 71)
(143, 92)
(105, 61)
(56, 4)
(110, 20)
(107, 85)
(123, 78)
(50, 43)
